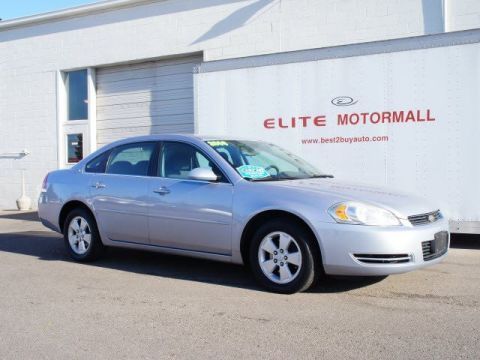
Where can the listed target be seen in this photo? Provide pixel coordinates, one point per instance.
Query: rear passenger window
(98, 164)
(131, 159)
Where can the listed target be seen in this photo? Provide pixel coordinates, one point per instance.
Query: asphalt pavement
(138, 305)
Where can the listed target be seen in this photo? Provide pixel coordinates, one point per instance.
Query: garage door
(146, 98)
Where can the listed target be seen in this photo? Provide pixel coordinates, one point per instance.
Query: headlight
(362, 214)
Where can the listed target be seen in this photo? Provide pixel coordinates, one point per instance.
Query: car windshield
(259, 161)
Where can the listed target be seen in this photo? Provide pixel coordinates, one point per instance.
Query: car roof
(173, 137)
(192, 138)
(197, 140)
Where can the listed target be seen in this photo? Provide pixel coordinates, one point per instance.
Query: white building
(75, 79)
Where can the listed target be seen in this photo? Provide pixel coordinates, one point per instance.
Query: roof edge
(417, 42)
(81, 10)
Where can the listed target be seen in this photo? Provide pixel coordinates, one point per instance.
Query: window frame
(225, 180)
(151, 163)
(86, 126)
(67, 134)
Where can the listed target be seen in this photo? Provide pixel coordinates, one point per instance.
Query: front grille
(424, 219)
(435, 248)
(383, 258)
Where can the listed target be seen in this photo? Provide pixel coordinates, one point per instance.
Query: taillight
(45, 184)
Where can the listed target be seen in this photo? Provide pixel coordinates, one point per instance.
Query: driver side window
(178, 159)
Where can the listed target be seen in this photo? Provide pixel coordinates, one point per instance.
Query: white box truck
(400, 113)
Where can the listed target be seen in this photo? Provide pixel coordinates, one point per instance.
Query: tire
(271, 261)
(81, 236)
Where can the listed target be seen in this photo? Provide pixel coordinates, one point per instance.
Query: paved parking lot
(141, 305)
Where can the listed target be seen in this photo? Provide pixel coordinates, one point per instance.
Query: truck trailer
(401, 113)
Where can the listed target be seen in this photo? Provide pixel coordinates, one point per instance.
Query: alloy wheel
(79, 235)
(279, 257)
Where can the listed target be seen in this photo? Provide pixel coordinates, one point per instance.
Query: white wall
(30, 56)
(462, 14)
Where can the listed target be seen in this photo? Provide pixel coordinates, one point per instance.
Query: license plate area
(435, 248)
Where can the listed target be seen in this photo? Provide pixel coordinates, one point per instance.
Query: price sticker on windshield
(253, 172)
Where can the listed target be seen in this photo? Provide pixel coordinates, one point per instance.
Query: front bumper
(341, 244)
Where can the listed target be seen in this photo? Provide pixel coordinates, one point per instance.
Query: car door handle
(162, 191)
(99, 185)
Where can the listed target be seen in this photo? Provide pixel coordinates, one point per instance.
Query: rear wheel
(81, 236)
(282, 257)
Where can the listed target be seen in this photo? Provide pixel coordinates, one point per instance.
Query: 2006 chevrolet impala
(244, 202)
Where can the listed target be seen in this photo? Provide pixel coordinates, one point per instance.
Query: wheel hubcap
(279, 257)
(79, 235)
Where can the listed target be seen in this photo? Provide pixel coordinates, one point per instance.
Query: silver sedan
(245, 202)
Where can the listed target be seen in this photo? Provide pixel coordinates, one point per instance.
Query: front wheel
(282, 257)
(81, 236)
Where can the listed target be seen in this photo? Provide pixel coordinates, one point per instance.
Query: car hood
(401, 204)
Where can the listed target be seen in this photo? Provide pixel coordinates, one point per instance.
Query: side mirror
(202, 174)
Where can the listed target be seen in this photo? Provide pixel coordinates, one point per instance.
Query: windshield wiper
(271, 178)
(323, 176)
(262, 179)
(283, 178)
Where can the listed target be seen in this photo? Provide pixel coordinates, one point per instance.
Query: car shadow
(15, 215)
(465, 241)
(339, 284)
(49, 246)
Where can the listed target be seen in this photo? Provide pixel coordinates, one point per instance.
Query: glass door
(76, 106)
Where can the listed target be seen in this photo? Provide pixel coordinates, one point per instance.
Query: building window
(74, 148)
(77, 94)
